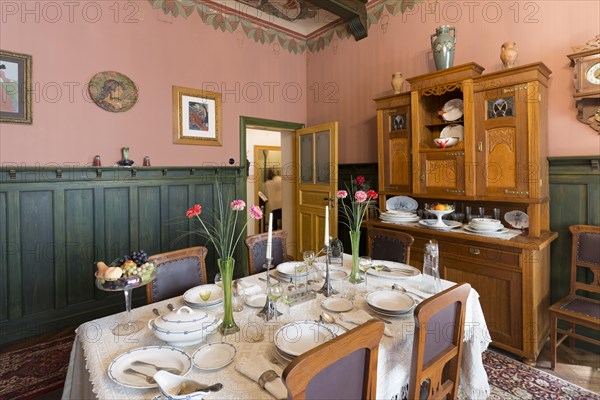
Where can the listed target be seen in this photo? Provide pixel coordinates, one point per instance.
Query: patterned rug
(32, 371)
(510, 379)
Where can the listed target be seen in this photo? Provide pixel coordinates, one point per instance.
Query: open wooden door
(316, 160)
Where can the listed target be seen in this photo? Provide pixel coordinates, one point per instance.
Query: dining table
(95, 347)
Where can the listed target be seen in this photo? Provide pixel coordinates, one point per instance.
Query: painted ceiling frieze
(222, 16)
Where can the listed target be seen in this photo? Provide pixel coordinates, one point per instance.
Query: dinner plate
(337, 304)
(296, 338)
(213, 356)
(192, 296)
(400, 220)
(288, 269)
(387, 314)
(453, 130)
(517, 219)
(336, 274)
(450, 224)
(403, 203)
(452, 110)
(163, 356)
(483, 229)
(391, 301)
(493, 232)
(397, 270)
(257, 301)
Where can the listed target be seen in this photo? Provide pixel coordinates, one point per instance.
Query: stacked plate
(391, 303)
(485, 226)
(192, 296)
(401, 203)
(296, 338)
(399, 216)
(293, 269)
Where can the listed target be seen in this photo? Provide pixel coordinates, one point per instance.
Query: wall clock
(586, 81)
(113, 91)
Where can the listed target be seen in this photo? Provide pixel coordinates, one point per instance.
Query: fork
(140, 363)
(132, 371)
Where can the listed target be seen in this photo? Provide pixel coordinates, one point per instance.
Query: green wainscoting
(574, 199)
(55, 222)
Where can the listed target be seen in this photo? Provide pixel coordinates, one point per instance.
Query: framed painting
(196, 117)
(15, 88)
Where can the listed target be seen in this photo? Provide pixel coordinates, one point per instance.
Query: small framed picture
(196, 117)
(15, 88)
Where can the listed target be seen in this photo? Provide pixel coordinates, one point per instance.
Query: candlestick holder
(268, 311)
(327, 289)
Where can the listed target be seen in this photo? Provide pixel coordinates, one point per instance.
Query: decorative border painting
(15, 88)
(196, 117)
(113, 91)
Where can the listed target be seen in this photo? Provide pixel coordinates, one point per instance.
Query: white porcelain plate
(257, 301)
(296, 338)
(292, 269)
(452, 110)
(163, 356)
(390, 301)
(336, 274)
(453, 130)
(429, 223)
(488, 233)
(402, 203)
(213, 356)
(337, 304)
(517, 219)
(192, 296)
(396, 270)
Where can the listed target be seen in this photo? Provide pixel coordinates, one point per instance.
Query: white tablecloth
(95, 347)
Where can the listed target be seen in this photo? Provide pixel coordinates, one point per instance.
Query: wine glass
(288, 297)
(205, 295)
(309, 257)
(364, 264)
(219, 280)
(274, 291)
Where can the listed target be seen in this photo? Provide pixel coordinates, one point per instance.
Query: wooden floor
(577, 366)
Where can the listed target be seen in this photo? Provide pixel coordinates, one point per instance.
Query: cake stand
(439, 214)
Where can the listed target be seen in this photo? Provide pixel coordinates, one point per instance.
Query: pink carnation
(255, 212)
(238, 205)
(192, 212)
(371, 194)
(360, 180)
(342, 194)
(360, 196)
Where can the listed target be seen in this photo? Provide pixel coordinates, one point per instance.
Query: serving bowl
(183, 327)
(444, 142)
(485, 224)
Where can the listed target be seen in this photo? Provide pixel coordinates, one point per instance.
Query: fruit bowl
(126, 282)
(444, 142)
(439, 213)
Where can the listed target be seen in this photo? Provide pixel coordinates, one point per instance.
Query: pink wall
(361, 71)
(156, 52)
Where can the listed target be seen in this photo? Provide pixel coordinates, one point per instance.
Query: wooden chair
(437, 344)
(343, 368)
(257, 250)
(176, 272)
(388, 244)
(575, 308)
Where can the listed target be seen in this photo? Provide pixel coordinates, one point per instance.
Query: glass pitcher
(430, 279)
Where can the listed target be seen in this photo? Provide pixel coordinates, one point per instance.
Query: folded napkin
(359, 317)
(255, 367)
(249, 288)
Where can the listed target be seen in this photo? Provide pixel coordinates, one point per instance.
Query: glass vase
(354, 244)
(228, 325)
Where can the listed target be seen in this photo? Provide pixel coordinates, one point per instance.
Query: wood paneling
(54, 224)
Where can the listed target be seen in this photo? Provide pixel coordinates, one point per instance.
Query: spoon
(330, 319)
(139, 363)
(132, 371)
(402, 289)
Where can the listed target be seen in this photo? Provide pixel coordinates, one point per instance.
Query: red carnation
(192, 212)
(371, 194)
(360, 180)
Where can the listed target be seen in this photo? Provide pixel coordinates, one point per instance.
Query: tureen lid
(182, 319)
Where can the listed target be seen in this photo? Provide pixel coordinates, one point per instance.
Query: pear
(102, 267)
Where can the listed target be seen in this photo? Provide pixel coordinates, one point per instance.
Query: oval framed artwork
(113, 91)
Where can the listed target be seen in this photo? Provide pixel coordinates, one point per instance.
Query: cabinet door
(396, 150)
(502, 142)
(442, 172)
(499, 294)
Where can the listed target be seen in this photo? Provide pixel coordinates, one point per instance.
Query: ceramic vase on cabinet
(443, 45)
(508, 54)
(397, 81)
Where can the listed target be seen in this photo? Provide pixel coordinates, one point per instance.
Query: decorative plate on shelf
(452, 110)
(517, 219)
(403, 203)
(453, 130)
(113, 91)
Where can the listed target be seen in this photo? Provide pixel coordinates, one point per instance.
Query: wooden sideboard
(500, 162)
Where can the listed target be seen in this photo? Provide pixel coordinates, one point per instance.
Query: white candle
(326, 225)
(270, 236)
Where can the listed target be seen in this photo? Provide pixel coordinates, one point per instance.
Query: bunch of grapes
(139, 257)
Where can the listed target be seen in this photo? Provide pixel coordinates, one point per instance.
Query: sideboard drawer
(480, 254)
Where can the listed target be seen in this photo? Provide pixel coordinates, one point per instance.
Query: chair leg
(553, 325)
(571, 338)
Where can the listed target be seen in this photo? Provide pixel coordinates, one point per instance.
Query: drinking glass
(219, 280)
(288, 297)
(309, 257)
(468, 213)
(364, 264)
(481, 212)
(300, 269)
(274, 291)
(205, 295)
(496, 213)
